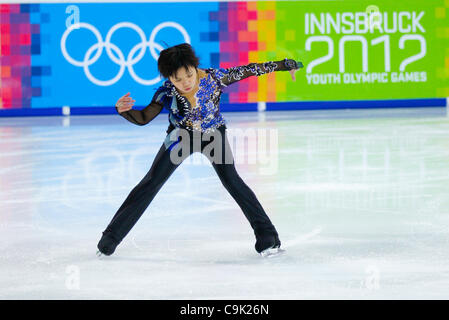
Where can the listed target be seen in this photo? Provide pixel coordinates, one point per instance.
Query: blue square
(36, 49)
(35, 18)
(45, 38)
(224, 26)
(34, 7)
(204, 36)
(46, 70)
(45, 17)
(214, 26)
(215, 60)
(35, 38)
(36, 71)
(36, 81)
(213, 36)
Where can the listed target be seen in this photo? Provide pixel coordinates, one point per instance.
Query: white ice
(360, 199)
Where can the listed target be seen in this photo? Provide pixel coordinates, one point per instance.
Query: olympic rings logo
(130, 61)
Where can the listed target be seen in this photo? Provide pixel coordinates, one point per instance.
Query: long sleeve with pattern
(144, 116)
(230, 75)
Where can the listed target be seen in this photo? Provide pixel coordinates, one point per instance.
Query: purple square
(15, 50)
(26, 91)
(15, 71)
(36, 92)
(222, 15)
(213, 15)
(26, 71)
(25, 50)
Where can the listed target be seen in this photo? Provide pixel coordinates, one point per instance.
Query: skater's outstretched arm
(139, 117)
(230, 75)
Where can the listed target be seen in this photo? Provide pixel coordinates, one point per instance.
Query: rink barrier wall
(243, 107)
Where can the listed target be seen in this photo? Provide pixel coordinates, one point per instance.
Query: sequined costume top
(200, 110)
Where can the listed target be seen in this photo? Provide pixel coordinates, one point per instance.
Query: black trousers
(217, 149)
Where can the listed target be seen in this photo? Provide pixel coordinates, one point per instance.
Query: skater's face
(184, 79)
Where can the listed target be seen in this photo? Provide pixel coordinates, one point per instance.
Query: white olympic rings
(130, 61)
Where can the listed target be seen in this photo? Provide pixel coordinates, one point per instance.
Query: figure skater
(192, 95)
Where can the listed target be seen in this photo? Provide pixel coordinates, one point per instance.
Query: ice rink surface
(360, 199)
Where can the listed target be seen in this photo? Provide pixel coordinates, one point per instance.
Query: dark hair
(173, 58)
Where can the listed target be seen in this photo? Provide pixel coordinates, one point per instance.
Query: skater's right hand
(125, 103)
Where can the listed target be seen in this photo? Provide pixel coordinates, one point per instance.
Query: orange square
(252, 5)
(252, 25)
(252, 36)
(270, 15)
(271, 96)
(243, 36)
(262, 46)
(252, 96)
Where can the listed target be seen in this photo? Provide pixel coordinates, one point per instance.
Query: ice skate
(268, 245)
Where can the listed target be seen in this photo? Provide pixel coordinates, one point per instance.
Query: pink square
(24, 28)
(4, 17)
(252, 46)
(16, 92)
(4, 7)
(243, 57)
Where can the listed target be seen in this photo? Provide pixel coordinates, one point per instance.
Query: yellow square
(252, 25)
(253, 56)
(262, 83)
(280, 85)
(271, 46)
(261, 26)
(271, 35)
(440, 12)
(261, 95)
(270, 24)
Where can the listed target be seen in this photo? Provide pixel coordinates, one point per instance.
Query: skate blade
(272, 252)
(99, 254)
